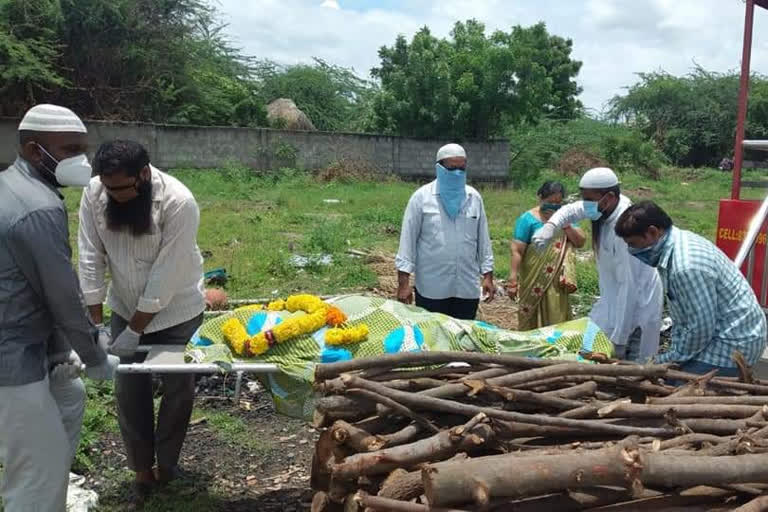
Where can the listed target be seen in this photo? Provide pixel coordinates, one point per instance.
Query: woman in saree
(542, 281)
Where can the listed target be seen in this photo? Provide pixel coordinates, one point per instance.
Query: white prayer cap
(51, 118)
(450, 151)
(599, 178)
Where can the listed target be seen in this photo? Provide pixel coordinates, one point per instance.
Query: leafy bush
(573, 146)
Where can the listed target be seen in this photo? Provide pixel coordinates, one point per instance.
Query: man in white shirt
(444, 240)
(631, 297)
(141, 225)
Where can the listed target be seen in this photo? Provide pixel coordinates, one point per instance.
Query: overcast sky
(613, 38)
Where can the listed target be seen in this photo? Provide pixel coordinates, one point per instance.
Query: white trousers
(38, 438)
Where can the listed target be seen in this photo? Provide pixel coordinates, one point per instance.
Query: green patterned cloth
(396, 326)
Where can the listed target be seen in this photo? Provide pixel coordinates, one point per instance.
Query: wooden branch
(578, 391)
(405, 435)
(421, 401)
(482, 478)
(331, 370)
(397, 408)
(629, 410)
(438, 447)
(759, 504)
(589, 410)
(379, 504)
(357, 439)
(517, 395)
(758, 400)
(512, 380)
(720, 382)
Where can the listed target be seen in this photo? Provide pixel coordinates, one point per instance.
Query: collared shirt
(40, 300)
(714, 310)
(447, 255)
(160, 272)
(631, 293)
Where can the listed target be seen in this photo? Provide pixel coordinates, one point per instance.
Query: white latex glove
(104, 371)
(68, 369)
(543, 236)
(125, 344)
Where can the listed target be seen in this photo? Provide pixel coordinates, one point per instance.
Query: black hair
(636, 219)
(120, 156)
(550, 188)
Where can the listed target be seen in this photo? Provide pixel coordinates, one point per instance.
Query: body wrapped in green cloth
(393, 327)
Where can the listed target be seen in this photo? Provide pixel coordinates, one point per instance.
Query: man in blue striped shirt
(714, 310)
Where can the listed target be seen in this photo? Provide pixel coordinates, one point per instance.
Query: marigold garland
(319, 314)
(345, 336)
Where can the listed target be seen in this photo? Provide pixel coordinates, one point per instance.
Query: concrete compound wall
(261, 148)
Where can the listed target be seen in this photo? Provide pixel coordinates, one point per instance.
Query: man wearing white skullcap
(631, 297)
(45, 333)
(444, 240)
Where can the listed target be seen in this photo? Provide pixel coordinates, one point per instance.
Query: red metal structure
(741, 227)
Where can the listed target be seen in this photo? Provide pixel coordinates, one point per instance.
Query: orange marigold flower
(334, 316)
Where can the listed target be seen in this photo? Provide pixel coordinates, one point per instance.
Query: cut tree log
(478, 480)
(578, 391)
(563, 369)
(438, 447)
(759, 504)
(356, 438)
(421, 401)
(396, 407)
(404, 359)
(405, 435)
(629, 410)
(758, 400)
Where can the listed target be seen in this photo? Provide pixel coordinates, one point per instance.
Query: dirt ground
(243, 456)
(237, 457)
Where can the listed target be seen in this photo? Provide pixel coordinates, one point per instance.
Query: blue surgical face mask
(592, 211)
(652, 254)
(452, 187)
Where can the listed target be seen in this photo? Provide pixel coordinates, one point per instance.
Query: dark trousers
(465, 309)
(135, 405)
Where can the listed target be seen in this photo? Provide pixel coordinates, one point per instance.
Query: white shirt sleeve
(92, 257)
(568, 214)
(484, 246)
(405, 261)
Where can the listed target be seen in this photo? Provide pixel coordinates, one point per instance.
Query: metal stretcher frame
(170, 359)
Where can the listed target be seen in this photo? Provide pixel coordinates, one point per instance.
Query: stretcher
(170, 359)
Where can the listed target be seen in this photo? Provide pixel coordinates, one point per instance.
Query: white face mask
(75, 171)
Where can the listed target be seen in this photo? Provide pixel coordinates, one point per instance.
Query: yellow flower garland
(319, 314)
(345, 336)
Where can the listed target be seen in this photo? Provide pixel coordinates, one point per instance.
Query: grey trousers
(34, 450)
(142, 438)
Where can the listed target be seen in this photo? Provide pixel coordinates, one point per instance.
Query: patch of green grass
(253, 223)
(99, 418)
(233, 430)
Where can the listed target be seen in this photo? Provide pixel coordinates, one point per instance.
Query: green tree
(692, 118)
(473, 85)
(333, 97)
(28, 51)
(153, 60)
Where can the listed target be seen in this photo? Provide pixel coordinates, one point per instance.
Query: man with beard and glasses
(630, 304)
(45, 333)
(141, 225)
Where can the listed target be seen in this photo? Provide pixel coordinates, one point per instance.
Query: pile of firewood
(449, 431)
